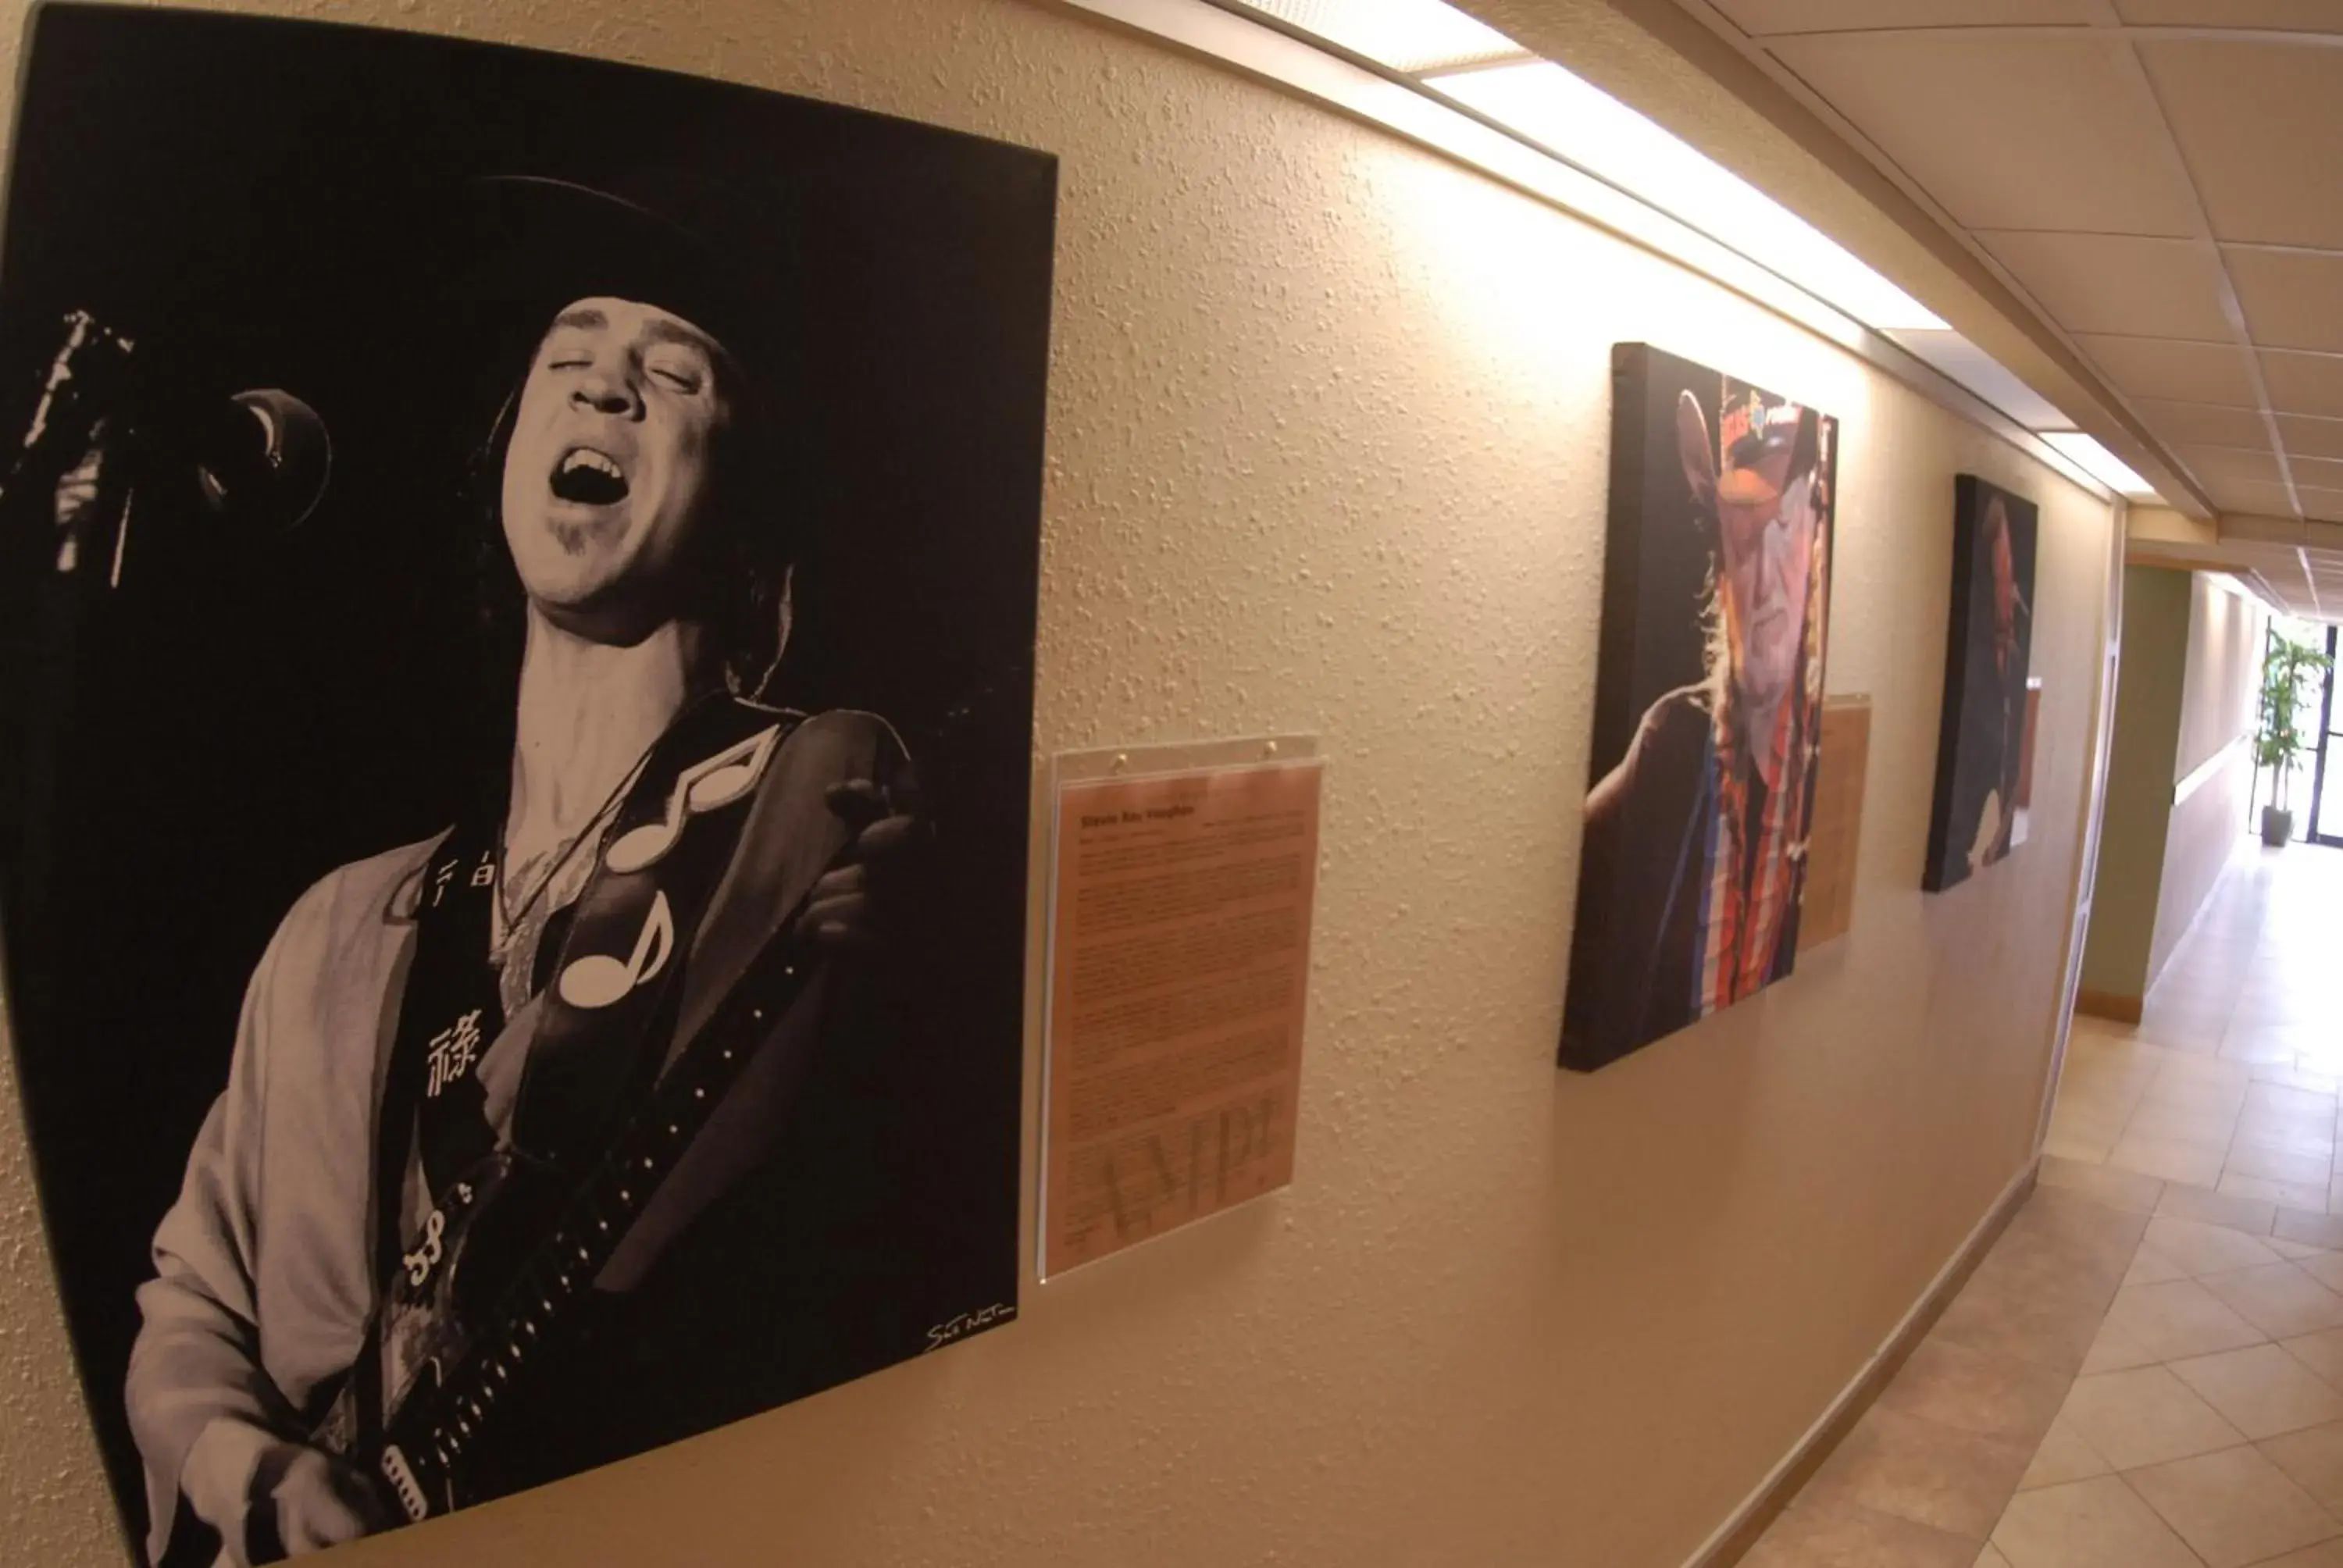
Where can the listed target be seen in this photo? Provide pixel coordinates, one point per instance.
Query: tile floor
(2146, 1370)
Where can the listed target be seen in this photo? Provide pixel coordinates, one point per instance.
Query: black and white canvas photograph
(1708, 702)
(1979, 810)
(518, 583)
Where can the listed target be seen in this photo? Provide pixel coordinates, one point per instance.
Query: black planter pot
(2277, 826)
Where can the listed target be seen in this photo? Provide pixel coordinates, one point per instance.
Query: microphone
(261, 457)
(111, 439)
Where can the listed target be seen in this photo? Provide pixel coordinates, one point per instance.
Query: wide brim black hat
(713, 254)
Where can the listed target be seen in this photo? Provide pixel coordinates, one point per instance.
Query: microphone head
(274, 471)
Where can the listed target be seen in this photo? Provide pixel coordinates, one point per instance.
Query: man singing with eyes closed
(456, 1060)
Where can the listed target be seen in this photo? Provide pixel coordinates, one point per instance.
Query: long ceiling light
(1584, 125)
(1438, 76)
(2087, 454)
(1408, 36)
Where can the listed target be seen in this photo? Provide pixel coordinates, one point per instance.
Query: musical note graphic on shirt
(708, 785)
(599, 980)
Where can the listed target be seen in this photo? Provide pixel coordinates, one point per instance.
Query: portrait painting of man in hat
(1981, 746)
(1708, 703)
(648, 1053)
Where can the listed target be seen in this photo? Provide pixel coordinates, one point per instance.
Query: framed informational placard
(1828, 910)
(1181, 884)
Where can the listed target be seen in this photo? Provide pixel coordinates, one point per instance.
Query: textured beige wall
(1328, 430)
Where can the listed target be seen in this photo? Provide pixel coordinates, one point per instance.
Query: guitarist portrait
(504, 1102)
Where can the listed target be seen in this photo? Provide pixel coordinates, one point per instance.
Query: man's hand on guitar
(856, 904)
(318, 1502)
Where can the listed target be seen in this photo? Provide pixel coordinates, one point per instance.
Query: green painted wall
(2149, 687)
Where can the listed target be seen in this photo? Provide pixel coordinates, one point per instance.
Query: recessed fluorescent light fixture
(2102, 464)
(1583, 125)
(1407, 35)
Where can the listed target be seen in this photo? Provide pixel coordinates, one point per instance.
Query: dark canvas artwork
(1708, 702)
(1982, 787)
(517, 580)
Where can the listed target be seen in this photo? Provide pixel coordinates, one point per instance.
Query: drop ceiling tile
(2318, 473)
(2248, 496)
(2293, 298)
(2327, 506)
(2310, 437)
(2227, 465)
(2176, 372)
(2256, 123)
(1857, 15)
(2047, 129)
(2117, 283)
(2304, 383)
(2290, 15)
(2206, 425)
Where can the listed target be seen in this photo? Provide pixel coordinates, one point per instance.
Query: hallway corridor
(2147, 1369)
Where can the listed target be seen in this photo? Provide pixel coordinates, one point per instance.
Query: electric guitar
(495, 1279)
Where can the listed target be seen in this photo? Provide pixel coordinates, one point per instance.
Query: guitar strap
(611, 987)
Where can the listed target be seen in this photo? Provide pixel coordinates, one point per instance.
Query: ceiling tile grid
(2154, 176)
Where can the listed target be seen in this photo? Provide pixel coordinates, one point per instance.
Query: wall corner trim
(1741, 1530)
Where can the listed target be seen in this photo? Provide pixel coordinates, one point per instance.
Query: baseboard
(1740, 1532)
(2108, 1004)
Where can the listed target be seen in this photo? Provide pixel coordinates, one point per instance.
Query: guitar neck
(426, 1441)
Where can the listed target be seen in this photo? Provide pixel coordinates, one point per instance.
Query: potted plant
(2286, 667)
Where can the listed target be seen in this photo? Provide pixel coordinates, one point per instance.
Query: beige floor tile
(2279, 1097)
(2095, 1523)
(2288, 1194)
(2199, 1164)
(2064, 1456)
(2296, 1252)
(2067, 1228)
(2261, 1390)
(2321, 1353)
(2260, 1046)
(1991, 1557)
(2177, 1318)
(2313, 1170)
(2204, 1204)
(2327, 1269)
(2178, 1124)
(1930, 1473)
(2313, 1457)
(2145, 1416)
(1976, 1392)
(2324, 1082)
(1850, 1537)
(2234, 1508)
(2041, 1292)
(2281, 1134)
(2116, 1188)
(2326, 1555)
(2150, 1267)
(2203, 1249)
(2066, 1145)
(2180, 1064)
(2083, 1116)
(2279, 1299)
(2116, 1353)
